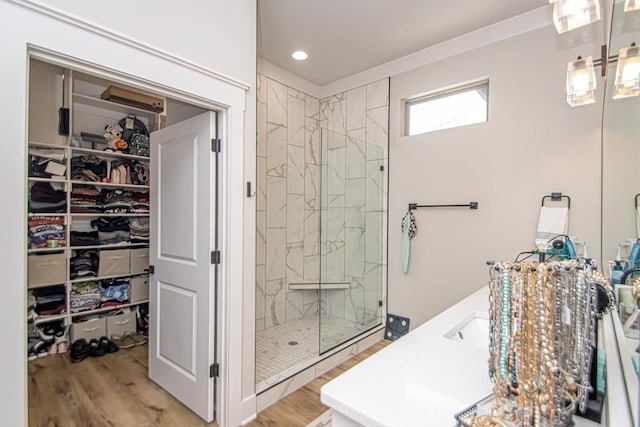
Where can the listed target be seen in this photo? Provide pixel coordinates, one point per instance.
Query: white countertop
(422, 379)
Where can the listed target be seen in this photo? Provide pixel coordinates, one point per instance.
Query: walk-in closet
(95, 183)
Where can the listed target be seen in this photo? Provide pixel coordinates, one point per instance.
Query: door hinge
(215, 145)
(214, 370)
(215, 257)
(152, 269)
(379, 303)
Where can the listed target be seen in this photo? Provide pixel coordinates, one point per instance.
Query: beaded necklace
(541, 328)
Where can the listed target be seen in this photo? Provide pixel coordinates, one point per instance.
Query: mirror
(620, 184)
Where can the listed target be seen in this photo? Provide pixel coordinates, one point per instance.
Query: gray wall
(532, 145)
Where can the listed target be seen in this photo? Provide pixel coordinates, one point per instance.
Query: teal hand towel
(409, 230)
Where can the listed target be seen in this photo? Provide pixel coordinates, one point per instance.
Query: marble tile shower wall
(354, 198)
(288, 215)
(289, 168)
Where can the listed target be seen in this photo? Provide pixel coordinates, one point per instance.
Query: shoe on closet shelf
(37, 348)
(80, 350)
(52, 332)
(123, 341)
(110, 346)
(62, 339)
(47, 332)
(42, 349)
(53, 349)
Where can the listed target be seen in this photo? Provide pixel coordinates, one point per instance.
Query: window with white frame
(459, 106)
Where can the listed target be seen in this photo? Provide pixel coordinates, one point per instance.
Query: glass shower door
(352, 245)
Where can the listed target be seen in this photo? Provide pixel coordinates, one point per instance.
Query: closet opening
(122, 201)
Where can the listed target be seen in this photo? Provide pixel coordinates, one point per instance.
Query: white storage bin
(44, 270)
(139, 260)
(114, 262)
(93, 328)
(139, 288)
(121, 323)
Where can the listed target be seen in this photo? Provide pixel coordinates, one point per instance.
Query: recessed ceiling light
(299, 55)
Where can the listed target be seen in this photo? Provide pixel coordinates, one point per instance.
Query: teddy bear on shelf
(113, 135)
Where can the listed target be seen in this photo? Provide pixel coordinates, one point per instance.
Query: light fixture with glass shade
(571, 14)
(581, 82)
(627, 82)
(630, 5)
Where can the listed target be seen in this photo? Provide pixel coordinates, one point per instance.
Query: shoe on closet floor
(80, 350)
(137, 337)
(123, 341)
(109, 346)
(97, 348)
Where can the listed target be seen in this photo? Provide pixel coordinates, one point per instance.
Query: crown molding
(520, 24)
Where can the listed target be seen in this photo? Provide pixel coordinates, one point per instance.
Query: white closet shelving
(88, 113)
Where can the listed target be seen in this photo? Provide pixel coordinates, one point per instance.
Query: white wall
(215, 34)
(216, 37)
(532, 145)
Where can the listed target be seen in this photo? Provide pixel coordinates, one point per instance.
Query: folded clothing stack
(112, 229)
(140, 203)
(85, 296)
(114, 292)
(121, 201)
(84, 238)
(50, 300)
(85, 200)
(117, 201)
(45, 228)
(44, 198)
(139, 227)
(84, 264)
(88, 168)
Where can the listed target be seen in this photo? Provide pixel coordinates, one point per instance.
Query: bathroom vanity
(440, 369)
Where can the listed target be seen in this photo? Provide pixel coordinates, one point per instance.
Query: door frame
(217, 93)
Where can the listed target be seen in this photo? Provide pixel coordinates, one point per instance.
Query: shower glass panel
(351, 238)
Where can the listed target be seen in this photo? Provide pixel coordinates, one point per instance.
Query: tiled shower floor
(276, 352)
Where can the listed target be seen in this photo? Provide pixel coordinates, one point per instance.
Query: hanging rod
(470, 205)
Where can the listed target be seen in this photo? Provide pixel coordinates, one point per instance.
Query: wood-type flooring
(114, 391)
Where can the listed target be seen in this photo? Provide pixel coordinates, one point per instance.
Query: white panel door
(181, 290)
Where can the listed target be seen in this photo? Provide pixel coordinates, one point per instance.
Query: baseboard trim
(248, 410)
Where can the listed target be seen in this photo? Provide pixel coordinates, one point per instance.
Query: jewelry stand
(540, 313)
